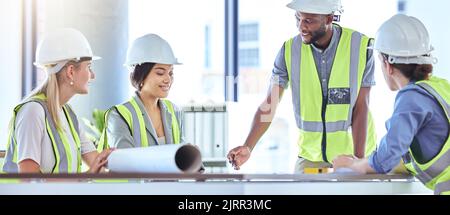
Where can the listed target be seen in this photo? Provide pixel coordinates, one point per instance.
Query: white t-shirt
(34, 143)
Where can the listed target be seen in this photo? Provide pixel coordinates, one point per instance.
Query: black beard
(317, 35)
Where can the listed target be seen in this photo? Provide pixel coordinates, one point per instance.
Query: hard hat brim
(134, 64)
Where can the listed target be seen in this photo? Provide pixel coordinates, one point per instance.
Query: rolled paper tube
(171, 158)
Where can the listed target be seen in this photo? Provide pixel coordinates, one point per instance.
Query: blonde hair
(50, 88)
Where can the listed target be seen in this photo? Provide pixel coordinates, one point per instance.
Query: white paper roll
(171, 158)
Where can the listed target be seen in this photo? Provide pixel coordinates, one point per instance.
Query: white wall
(434, 15)
(105, 25)
(367, 16)
(10, 62)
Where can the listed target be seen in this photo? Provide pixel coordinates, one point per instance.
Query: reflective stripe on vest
(432, 91)
(134, 118)
(175, 127)
(433, 170)
(343, 89)
(133, 115)
(442, 188)
(59, 140)
(103, 141)
(74, 129)
(439, 167)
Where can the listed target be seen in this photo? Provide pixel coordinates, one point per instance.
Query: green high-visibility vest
(324, 125)
(435, 174)
(58, 138)
(132, 114)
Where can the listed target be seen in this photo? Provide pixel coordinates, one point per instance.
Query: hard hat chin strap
(412, 60)
(55, 68)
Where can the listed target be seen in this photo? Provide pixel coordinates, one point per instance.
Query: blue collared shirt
(324, 62)
(418, 122)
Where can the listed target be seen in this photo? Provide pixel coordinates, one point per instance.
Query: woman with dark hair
(147, 118)
(418, 131)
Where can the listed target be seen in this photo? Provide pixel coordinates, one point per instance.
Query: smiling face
(158, 82)
(312, 27)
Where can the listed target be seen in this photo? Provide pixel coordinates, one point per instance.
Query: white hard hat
(150, 48)
(324, 7)
(405, 39)
(58, 47)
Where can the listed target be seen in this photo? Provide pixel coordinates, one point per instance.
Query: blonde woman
(44, 135)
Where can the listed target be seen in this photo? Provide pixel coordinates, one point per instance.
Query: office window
(260, 38)
(248, 37)
(277, 150)
(249, 57)
(248, 32)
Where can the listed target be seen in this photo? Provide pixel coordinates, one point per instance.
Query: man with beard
(330, 71)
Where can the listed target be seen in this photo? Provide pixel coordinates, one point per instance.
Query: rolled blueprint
(171, 158)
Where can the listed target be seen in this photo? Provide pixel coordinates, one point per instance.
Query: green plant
(95, 127)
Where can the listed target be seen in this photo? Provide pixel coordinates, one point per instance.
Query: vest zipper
(324, 131)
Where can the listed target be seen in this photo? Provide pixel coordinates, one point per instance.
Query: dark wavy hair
(139, 74)
(415, 72)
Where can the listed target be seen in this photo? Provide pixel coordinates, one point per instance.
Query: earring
(71, 83)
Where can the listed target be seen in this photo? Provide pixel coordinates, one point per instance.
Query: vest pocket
(339, 96)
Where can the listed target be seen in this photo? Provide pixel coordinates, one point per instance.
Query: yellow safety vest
(435, 174)
(324, 125)
(134, 118)
(58, 138)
